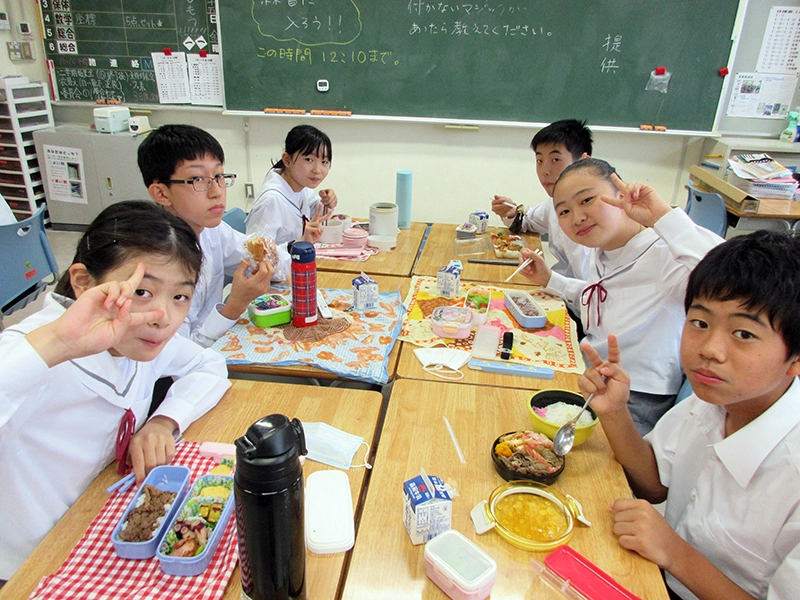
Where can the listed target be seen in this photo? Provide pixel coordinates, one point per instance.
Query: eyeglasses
(203, 184)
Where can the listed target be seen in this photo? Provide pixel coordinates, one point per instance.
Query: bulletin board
(522, 61)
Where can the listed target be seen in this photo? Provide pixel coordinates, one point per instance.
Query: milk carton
(448, 279)
(480, 219)
(365, 293)
(427, 507)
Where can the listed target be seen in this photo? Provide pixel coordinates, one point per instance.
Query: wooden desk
(386, 565)
(408, 367)
(332, 280)
(399, 261)
(355, 411)
(769, 208)
(438, 251)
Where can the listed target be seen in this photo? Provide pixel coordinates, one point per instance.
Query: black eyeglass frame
(221, 179)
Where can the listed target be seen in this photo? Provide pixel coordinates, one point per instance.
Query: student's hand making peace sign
(605, 378)
(97, 321)
(639, 201)
(313, 229)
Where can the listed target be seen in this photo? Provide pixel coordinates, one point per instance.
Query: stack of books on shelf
(761, 176)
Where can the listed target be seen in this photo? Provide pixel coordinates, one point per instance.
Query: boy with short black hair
(556, 147)
(727, 458)
(182, 167)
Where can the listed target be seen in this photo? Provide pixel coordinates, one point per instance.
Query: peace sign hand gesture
(639, 201)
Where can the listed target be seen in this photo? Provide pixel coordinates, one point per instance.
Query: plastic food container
(510, 474)
(525, 310)
(460, 568)
(529, 515)
(166, 478)
(194, 565)
(477, 300)
(548, 397)
(466, 231)
(384, 243)
(452, 322)
(354, 238)
(270, 310)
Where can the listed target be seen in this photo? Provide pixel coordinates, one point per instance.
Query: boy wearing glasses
(183, 169)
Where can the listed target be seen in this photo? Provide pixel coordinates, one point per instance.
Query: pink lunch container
(354, 238)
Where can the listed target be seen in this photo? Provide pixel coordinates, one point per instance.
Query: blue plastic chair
(707, 209)
(27, 262)
(235, 217)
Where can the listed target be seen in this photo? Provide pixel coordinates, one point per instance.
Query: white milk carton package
(448, 279)
(365, 293)
(427, 507)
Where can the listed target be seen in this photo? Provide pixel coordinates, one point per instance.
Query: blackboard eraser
(100, 101)
(646, 127)
(660, 128)
(332, 113)
(285, 111)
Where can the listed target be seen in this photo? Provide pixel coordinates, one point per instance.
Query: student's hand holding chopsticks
(328, 199)
(503, 207)
(537, 270)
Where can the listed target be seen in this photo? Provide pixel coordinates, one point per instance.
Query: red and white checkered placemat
(93, 569)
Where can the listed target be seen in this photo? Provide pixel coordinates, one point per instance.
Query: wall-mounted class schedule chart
(101, 49)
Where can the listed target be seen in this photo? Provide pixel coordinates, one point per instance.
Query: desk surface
(333, 280)
(386, 565)
(399, 261)
(438, 251)
(355, 411)
(769, 208)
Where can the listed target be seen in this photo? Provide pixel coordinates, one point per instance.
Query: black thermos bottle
(268, 485)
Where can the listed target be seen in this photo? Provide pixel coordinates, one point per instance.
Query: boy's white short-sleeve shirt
(735, 499)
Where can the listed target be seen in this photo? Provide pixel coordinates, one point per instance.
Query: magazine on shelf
(758, 166)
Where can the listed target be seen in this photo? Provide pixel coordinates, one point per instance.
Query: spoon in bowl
(564, 438)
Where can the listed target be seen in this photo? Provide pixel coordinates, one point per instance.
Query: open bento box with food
(195, 532)
(149, 513)
(525, 310)
(507, 245)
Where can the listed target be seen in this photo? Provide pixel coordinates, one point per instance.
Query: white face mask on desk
(444, 363)
(332, 446)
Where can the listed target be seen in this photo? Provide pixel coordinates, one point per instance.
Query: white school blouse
(735, 499)
(638, 293)
(58, 426)
(572, 260)
(278, 210)
(223, 251)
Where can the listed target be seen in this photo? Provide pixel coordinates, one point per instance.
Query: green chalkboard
(100, 49)
(500, 60)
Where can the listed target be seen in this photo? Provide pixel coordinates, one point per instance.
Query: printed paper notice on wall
(205, 79)
(762, 95)
(780, 48)
(64, 169)
(172, 77)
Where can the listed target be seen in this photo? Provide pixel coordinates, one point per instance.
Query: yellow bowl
(545, 398)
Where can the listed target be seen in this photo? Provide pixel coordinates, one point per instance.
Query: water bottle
(304, 284)
(268, 487)
(403, 199)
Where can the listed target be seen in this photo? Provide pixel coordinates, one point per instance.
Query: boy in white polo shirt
(727, 459)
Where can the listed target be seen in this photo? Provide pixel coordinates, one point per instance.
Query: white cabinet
(24, 108)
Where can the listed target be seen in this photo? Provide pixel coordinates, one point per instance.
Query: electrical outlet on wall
(249, 190)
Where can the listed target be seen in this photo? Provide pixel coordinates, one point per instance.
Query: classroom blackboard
(100, 49)
(498, 60)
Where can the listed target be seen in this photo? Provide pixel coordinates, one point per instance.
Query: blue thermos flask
(268, 487)
(403, 199)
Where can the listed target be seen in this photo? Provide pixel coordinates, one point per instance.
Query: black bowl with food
(526, 455)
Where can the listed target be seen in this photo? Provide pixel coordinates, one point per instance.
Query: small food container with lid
(525, 310)
(354, 238)
(459, 567)
(529, 515)
(209, 504)
(166, 478)
(452, 322)
(270, 310)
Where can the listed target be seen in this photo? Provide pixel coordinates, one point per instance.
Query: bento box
(270, 310)
(452, 322)
(525, 310)
(166, 478)
(198, 527)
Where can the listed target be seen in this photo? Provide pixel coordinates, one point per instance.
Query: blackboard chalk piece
(661, 70)
(167, 51)
(723, 71)
(203, 53)
(660, 128)
(646, 127)
(463, 127)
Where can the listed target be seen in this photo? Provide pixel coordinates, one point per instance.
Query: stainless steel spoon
(565, 436)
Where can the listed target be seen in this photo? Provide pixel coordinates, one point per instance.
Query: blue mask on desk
(333, 446)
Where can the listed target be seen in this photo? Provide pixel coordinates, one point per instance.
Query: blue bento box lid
(167, 478)
(194, 565)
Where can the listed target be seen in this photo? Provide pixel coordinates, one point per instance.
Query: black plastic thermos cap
(508, 344)
(268, 455)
